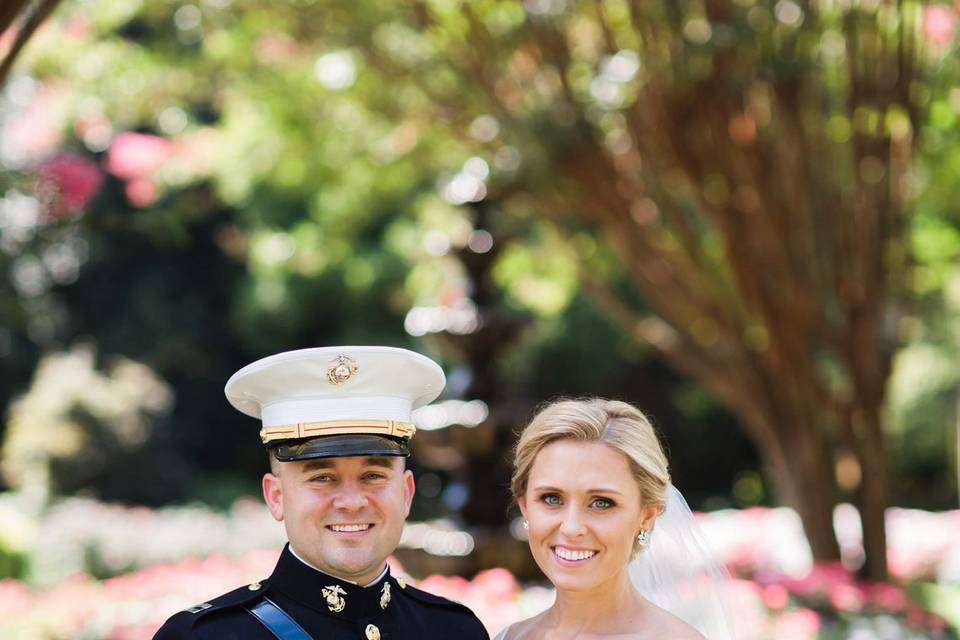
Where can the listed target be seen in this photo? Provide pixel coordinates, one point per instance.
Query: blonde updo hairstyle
(619, 425)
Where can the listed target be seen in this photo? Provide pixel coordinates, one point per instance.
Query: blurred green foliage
(321, 154)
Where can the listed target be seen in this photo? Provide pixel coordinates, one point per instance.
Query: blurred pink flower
(36, 132)
(916, 617)
(15, 597)
(775, 596)
(137, 155)
(796, 624)
(939, 24)
(821, 579)
(141, 192)
(75, 598)
(887, 597)
(65, 184)
(452, 587)
(496, 584)
(936, 622)
(846, 597)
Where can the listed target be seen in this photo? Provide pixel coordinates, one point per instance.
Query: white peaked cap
(336, 391)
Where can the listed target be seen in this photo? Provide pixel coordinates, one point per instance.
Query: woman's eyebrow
(596, 490)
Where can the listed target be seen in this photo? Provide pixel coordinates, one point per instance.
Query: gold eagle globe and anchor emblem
(334, 596)
(341, 369)
(385, 596)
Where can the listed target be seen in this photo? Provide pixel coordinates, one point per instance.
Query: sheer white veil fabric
(678, 572)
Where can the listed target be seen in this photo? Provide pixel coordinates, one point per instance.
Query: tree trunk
(873, 498)
(811, 490)
(31, 15)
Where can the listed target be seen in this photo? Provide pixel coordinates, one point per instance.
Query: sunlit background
(740, 215)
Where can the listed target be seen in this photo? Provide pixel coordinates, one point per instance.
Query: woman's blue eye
(551, 499)
(603, 503)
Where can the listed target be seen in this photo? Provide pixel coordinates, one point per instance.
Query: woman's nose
(572, 524)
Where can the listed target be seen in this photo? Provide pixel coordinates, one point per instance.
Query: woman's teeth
(568, 554)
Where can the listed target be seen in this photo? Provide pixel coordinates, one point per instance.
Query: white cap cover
(328, 391)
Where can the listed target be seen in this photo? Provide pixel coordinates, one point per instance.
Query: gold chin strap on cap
(333, 427)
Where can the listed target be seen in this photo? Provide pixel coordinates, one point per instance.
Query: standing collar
(328, 594)
(372, 583)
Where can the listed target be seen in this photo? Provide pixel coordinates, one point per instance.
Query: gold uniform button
(372, 632)
(254, 586)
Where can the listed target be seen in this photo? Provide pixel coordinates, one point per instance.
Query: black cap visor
(339, 446)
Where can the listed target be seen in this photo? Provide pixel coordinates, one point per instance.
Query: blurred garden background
(741, 215)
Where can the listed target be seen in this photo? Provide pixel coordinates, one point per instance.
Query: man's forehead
(388, 462)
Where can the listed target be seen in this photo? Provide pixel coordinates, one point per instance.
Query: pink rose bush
(135, 158)
(132, 606)
(65, 184)
(154, 562)
(139, 159)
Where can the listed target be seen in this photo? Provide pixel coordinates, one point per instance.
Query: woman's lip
(571, 563)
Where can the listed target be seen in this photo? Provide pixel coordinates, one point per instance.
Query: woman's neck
(604, 609)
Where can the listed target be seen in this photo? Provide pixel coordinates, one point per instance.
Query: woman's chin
(563, 581)
(572, 578)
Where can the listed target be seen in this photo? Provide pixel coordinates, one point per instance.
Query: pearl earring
(526, 525)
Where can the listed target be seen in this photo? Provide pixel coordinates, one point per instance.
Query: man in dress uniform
(337, 423)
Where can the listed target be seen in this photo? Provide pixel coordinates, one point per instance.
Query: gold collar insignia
(334, 596)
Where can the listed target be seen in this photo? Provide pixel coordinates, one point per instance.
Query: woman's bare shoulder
(520, 629)
(664, 624)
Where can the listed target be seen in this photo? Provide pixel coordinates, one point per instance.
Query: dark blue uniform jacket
(326, 612)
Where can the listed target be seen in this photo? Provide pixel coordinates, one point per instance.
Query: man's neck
(371, 583)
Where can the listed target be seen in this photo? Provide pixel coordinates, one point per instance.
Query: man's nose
(350, 498)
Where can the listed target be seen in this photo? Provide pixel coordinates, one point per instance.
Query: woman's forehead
(575, 462)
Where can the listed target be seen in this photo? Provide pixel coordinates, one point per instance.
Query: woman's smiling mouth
(574, 556)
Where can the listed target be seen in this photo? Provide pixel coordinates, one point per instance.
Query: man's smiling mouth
(349, 528)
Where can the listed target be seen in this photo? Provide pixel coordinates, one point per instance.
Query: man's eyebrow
(379, 461)
(328, 464)
(316, 464)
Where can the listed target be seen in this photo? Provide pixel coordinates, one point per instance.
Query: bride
(591, 480)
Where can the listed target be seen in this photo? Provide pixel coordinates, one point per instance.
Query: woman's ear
(648, 516)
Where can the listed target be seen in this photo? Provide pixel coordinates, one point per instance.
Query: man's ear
(273, 495)
(409, 488)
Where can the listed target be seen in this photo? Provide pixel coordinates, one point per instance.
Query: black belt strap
(278, 621)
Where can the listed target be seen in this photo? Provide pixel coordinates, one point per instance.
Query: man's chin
(352, 567)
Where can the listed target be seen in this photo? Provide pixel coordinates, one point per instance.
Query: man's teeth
(566, 554)
(347, 528)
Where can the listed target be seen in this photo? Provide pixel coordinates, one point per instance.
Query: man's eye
(321, 478)
(551, 499)
(375, 476)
